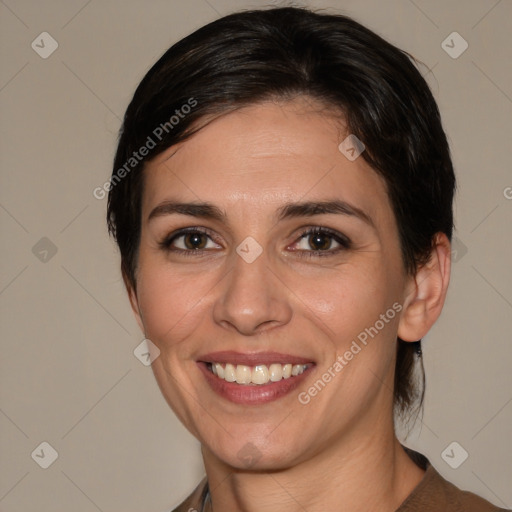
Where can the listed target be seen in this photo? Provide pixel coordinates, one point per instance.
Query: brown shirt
(432, 494)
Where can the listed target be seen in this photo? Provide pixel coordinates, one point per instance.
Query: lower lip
(247, 394)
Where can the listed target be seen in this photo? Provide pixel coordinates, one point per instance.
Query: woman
(282, 200)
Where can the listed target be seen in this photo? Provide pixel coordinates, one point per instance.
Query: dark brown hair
(281, 53)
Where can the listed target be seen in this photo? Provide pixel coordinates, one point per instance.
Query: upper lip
(252, 358)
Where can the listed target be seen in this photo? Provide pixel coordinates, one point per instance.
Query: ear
(134, 301)
(426, 292)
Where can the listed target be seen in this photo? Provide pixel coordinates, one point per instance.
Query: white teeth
(243, 374)
(297, 369)
(219, 371)
(229, 373)
(260, 374)
(276, 372)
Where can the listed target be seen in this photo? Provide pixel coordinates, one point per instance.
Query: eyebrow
(203, 210)
(287, 211)
(311, 208)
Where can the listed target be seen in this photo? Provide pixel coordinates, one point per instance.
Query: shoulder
(434, 493)
(194, 502)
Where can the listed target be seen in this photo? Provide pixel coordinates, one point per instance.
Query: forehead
(261, 156)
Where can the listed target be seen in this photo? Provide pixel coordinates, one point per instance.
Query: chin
(256, 455)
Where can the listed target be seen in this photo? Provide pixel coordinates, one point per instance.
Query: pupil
(320, 241)
(195, 241)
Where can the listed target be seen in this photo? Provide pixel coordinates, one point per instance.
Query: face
(265, 250)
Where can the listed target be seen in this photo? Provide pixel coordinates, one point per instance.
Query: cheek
(351, 299)
(172, 305)
(358, 310)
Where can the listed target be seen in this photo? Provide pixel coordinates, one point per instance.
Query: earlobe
(427, 292)
(134, 301)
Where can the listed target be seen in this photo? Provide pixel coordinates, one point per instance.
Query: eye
(321, 240)
(189, 240)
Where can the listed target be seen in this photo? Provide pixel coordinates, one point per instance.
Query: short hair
(279, 54)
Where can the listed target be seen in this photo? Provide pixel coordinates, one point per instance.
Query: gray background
(69, 376)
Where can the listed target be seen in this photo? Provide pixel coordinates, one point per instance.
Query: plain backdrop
(69, 375)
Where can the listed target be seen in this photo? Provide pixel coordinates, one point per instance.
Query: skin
(339, 451)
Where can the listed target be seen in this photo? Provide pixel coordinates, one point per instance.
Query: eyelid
(165, 244)
(340, 238)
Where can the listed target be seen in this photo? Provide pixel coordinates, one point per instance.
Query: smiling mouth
(257, 375)
(254, 378)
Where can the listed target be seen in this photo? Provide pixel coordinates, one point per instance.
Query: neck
(352, 475)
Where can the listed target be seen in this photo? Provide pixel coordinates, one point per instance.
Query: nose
(252, 299)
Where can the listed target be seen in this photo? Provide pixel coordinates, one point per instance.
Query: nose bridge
(251, 299)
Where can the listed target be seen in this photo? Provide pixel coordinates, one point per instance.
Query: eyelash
(165, 244)
(343, 240)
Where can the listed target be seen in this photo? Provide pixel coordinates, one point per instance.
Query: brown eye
(189, 240)
(320, 241)
(195, 240)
